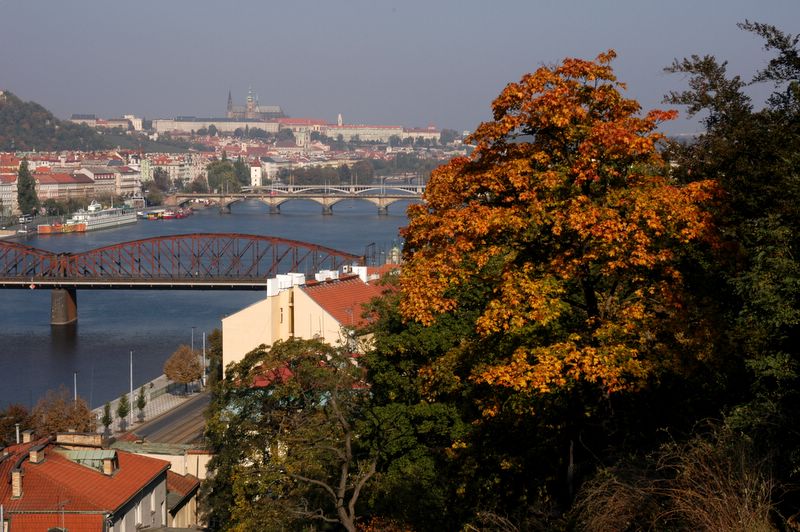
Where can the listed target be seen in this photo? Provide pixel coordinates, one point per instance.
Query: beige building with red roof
(72, 483)
(329, 308)
(62, 186)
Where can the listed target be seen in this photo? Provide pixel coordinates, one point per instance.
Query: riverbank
(162, 395)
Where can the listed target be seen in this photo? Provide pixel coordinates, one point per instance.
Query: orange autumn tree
(566, 212)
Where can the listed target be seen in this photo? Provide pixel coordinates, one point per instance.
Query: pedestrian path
(162, 395)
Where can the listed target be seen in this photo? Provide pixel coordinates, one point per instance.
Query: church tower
(250, 110)
(229, 112)
(339, 120)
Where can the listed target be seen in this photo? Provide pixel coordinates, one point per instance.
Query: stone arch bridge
(382, 196)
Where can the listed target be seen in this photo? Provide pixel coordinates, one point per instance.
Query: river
(36, 357)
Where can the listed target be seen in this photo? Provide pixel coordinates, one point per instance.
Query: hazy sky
(410, 62)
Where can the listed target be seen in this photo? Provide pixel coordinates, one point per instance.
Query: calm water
(35, 357)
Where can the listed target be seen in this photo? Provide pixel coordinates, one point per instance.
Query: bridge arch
(211, 260)
(199, 261)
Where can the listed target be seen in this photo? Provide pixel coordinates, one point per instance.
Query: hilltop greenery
(28, 126)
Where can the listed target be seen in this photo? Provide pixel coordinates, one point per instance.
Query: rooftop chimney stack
(36, 454)
(110, 465)
(27, 436)
(16, 483)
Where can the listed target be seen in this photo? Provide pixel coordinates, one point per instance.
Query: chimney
(76, 440)
(27, 436)
(16, 483)
(36, 454)
(110, 464)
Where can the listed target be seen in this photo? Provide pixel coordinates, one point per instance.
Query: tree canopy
(58, 412)
(565, 214)
(183, 366)
(286, 428)
(26, 189)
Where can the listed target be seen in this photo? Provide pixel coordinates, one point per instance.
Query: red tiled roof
(343, 299)
(182, 484)
(60, 178)
(46, 521)
(59, 482)
(301, 121)
(265, 378)
(382, 270)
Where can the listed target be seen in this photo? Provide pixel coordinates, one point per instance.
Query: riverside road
(182, 424)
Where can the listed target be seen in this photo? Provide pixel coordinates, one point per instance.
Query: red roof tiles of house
(301, 121)
(61, 178)
(182, 484)
(343, 299)
(57, 482)
(54, 520)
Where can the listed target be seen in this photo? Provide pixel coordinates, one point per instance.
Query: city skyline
(411, 63)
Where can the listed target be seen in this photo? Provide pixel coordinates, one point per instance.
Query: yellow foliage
(564, 210)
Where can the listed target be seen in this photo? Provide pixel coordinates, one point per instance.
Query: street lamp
(204, 359)
(130, 410)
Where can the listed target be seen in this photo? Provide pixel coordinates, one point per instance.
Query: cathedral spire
(230, 101)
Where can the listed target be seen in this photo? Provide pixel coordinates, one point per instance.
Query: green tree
(183, 366)
(212, 130)
(363, 172)
(222, 176)
(214, 354)
(344, 174)
(447, 136)
(286, 430)
(286, 134)
(123, 409)
(107, 419)
(26, 189)
(161, 179)
(198, 185)
(750, 281)
(154, 196)
(53, 207)
(141, 402)
(242, 170)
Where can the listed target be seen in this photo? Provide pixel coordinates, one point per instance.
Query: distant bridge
(327, 196)
(208, 261)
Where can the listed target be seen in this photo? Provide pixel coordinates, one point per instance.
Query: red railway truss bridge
(202, 261)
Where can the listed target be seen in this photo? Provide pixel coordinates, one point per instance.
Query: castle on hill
(252, 110)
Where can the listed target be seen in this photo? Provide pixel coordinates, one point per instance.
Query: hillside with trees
(26, 126)
(594, 329)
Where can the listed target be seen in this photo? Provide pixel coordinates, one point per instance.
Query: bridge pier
(224, 209)
(63, 306)
(274, 209)
(327, 209)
